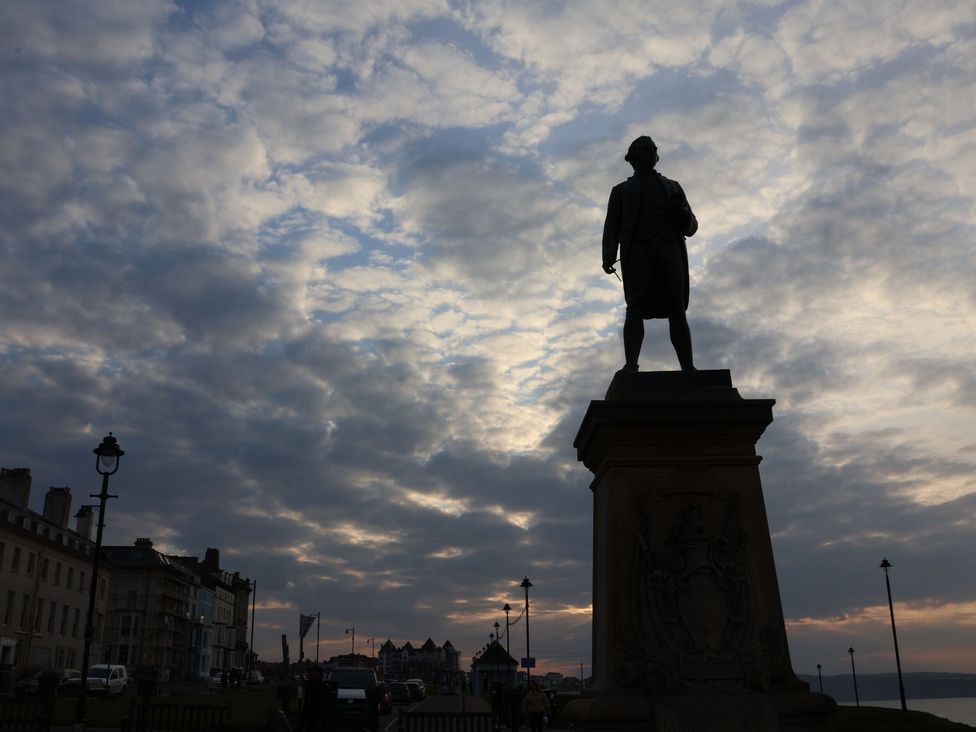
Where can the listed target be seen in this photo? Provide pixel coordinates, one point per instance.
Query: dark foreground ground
(250, 707)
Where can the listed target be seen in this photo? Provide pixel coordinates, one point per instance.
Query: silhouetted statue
(649, 217)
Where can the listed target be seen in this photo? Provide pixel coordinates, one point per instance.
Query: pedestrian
(534, 706)
(319, 704)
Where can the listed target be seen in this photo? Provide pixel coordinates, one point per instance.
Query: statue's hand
(609, 269)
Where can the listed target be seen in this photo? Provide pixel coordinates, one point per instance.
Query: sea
(956, 709)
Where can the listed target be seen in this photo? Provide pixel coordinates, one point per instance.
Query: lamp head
(108, 454)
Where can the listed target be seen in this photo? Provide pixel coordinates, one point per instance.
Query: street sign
(528, 663)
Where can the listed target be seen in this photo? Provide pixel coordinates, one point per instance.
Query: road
(387, 722)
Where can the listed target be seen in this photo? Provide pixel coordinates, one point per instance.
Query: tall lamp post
(496, 631)
(353, 631)
(820, 678)
(854, 676)
(508, 641)
(528, 655)
(891, 609)
(108, 456)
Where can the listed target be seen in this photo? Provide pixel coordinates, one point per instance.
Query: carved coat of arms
(693, 624)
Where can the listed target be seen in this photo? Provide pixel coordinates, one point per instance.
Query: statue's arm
(692, 221)
(611, 231)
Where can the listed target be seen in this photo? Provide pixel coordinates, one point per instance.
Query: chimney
(57, 505)
(144, 542)
(83, 526)
(15, 485)
(211, 562)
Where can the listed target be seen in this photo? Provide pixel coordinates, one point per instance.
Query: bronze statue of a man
(649, 217)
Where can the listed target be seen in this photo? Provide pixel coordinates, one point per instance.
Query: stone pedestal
(688, 629)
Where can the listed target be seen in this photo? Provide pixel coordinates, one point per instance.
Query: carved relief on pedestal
(692, 625)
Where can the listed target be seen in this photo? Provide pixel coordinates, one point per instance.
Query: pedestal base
(688, 630)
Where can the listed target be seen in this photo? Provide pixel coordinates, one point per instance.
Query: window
(15, 560)
(129, 626)
(57, 574)
(123, 655)
(81, 582)
(60, 662)
(31, 557)
(74, 625)
(2, 548)
(69, 580)
(71, 657)
(40, 612)
(52, 613)
(44, 563)
(101, 588)
(8, 612)
(24, 610)
(131, 598)
(64, 619)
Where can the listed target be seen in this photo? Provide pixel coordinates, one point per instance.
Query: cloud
(332, 270)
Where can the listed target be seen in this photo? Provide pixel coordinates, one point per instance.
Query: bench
(177, 718)
(24, 715)
(446, 721)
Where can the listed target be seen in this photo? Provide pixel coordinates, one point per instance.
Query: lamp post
(508, 641)
(372, 645)
(496, 631)
(353, 631)
(891, 609)
(528, 655)
(108, 455)
(854, 676)
(820, 678)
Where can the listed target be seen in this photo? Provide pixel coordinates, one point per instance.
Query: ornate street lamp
(854, 676)
(353, 631)
(820, 678)
(108, 456)
(528, 655)
(508, 642)
(885, 564)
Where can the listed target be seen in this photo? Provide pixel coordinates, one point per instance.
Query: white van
(107, 679)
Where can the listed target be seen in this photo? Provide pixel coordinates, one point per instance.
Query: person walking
(534, 706)
(319, 704)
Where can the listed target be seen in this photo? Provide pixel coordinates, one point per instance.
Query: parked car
(106, 678)
(420, 684)
(356, 697)
(400, 692)
(68, 681)
(255, 677)
(416, 693)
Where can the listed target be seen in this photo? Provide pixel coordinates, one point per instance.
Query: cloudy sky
(331, 273)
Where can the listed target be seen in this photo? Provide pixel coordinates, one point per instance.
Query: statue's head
(642, 153)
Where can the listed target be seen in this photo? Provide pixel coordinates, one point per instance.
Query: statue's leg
(681, 340)
(633, 338)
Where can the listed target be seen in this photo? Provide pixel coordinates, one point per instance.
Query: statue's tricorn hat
(642, 141)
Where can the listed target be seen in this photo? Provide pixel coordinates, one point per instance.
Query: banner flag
(304, 624)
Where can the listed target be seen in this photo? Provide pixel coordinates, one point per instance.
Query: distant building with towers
(430, 662)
